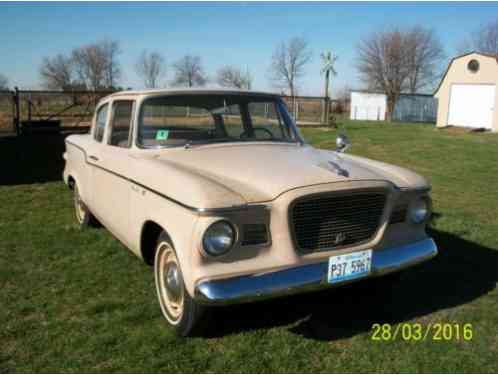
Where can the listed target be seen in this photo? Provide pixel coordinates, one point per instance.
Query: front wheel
(179, 309)
(83, 215)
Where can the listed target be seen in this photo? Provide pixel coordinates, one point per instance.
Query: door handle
(94, 158)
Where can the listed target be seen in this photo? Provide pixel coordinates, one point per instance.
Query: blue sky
(242, 34)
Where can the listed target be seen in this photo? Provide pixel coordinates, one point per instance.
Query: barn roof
(493, 56)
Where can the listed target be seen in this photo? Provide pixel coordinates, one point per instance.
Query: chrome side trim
(306, 278)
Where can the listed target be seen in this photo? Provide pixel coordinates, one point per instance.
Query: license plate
(349, 266)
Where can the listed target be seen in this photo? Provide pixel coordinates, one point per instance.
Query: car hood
(251, 173)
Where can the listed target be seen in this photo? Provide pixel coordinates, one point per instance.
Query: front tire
(179, 309)
(83, 215)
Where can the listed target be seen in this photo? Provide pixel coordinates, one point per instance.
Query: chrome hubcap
(172, 281)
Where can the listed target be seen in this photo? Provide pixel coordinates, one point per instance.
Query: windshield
(170, 121)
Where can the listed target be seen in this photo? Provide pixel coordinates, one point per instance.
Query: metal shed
(415, 108)
(368, 106)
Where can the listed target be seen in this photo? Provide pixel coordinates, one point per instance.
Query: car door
(111, 186)
(93, 151)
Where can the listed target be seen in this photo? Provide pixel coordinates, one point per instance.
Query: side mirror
(342, 142)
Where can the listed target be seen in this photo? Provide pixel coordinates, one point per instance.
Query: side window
(266, 116)
(121, 123)
(98, 133)
(232, 119)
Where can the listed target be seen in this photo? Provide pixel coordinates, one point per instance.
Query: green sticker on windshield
(162, 135)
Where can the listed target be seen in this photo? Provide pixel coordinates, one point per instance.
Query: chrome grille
(327, 221)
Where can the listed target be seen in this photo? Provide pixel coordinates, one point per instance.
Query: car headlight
(420, 209)
(218, 238)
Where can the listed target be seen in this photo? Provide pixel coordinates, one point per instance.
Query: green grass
(73, 301)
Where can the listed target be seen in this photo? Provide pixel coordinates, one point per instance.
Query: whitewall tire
(83, 215)
(179, 309)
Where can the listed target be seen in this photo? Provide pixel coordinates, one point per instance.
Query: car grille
(329, 221)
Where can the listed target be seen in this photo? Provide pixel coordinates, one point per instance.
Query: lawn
(74, 301)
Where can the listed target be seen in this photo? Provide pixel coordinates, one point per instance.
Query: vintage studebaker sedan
(220, 193)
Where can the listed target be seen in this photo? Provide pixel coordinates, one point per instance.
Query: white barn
(467, 93)
(368, 106)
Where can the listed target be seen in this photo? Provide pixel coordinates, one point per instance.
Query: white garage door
(472, 106)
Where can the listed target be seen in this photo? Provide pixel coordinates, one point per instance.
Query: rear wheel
(83, 215)
(179, 309)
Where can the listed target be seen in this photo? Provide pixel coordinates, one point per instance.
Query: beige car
(220, 193)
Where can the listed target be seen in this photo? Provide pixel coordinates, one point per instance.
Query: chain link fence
(26, 110)
(315, 110)
(7, 112)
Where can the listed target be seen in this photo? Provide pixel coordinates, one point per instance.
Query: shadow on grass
(462, 272)
(31, 159)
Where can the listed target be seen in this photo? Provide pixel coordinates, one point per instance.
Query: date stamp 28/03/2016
(422, 332)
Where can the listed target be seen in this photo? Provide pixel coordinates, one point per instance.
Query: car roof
(189, 91)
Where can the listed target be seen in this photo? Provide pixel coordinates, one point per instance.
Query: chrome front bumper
(306, 278)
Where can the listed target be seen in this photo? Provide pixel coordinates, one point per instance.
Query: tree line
(393, 61)
(400, 61)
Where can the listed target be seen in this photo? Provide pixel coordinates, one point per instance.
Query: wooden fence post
(326, 104)
(17, 120)
(324, 110)
(30, 104)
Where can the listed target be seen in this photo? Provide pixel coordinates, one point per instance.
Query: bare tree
(90, 65)
(425, 55)
(464, 46)
(484, 40)
(112, 72)
(150, 67)
(288, 62)
(4, 82)
(383, 64)
(344, 93)
(395, 61)
(189, 72)
(343, 99)
(57, 72)
(96, 64)
(231, 76)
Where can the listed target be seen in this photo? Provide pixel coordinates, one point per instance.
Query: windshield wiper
(190, 142)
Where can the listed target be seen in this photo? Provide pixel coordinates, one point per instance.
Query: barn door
(472, 105)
